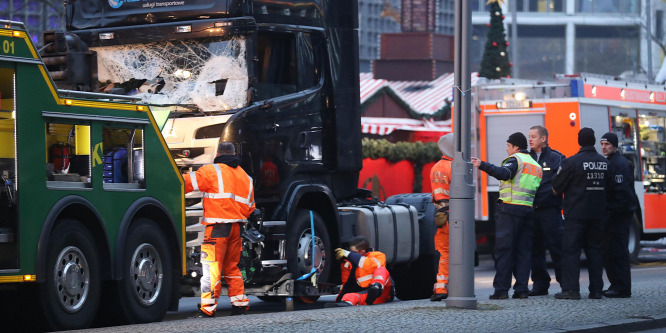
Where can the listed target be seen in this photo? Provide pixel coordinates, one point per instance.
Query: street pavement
(645, 310)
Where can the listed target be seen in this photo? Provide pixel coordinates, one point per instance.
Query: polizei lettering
(595, 166)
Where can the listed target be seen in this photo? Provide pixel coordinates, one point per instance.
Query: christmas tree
(495, 63)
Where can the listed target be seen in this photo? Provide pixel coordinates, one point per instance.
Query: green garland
(419, 153)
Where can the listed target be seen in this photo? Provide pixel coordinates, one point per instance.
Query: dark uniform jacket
(549, 160)
(505, 172)
(584, 179)
(622, 198)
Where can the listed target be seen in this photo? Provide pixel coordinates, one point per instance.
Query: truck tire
(146, 286)
(299, 251)
(70, 293)
(415, 281)
(634, 239)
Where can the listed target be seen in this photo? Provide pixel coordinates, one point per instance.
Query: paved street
(531, 315)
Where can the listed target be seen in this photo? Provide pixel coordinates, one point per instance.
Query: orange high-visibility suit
(368, 270)
(440, 180)
(228, 200)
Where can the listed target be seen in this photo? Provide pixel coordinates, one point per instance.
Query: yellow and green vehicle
(91, 202)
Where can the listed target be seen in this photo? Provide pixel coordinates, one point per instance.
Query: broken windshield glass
(210, 73)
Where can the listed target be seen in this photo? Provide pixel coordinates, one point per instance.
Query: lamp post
(461, 202)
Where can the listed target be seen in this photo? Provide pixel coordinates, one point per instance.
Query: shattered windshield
(209, 73)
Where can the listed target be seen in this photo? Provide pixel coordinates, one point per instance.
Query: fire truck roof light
(16, 33)
(106, 35)
(183, 28)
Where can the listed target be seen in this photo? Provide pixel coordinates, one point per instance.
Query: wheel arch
(76, 208)
(152, 209)
(320, 199)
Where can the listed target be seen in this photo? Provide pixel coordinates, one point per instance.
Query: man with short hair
(519, 176)
(365, 279)
(621, 207)
(547, 231)
(583, 179)
(228, 200)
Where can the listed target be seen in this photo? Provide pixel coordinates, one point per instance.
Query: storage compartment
(391, 229)
(426, 213)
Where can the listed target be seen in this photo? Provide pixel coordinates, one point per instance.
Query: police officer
(547, 232)
(519, 176)
(583, 179)
(621, 206)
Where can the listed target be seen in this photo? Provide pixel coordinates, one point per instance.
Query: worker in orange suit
(228, 200)
(365, 279)
(440, 180)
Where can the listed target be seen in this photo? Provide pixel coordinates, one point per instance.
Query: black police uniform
(547, 228)
(583, 178)
(621, 207)
(513, 235)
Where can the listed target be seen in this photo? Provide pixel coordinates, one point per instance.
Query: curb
(634, 324)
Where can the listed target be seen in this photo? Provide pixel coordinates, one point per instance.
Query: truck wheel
(145, 290)
(70, 293)
(634, 239)
(415, 281)
(299, 246)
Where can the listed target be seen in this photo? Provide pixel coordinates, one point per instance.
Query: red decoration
(502, 17)
(508, 76)
(494, 43)
(506, 43)
(511, 64)
(487, 24)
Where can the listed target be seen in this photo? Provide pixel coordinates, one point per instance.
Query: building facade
(38, 15)
(573, 36)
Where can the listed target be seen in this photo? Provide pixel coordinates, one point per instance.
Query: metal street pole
(648, 26)
(514, 37)
(461, 218)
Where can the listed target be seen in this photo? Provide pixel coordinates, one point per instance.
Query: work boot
(337, 304)
(538, 292)
(201, 314)
(438, 297)
(374, 291)
(615, 294)
(499, 295)
(520, 294)
(238, 310)
(568, 294)
(595, 295)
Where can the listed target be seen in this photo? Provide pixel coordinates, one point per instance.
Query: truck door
(8, 190)
(286, 120)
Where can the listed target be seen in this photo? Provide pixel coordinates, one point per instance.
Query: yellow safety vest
(521, 189)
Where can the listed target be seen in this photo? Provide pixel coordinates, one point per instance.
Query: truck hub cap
(146, 274)
(305, 253)
(71, 278)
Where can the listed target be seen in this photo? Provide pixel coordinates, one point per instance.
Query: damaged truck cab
(280, 80)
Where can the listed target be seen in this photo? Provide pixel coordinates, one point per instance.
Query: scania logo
(116, 3)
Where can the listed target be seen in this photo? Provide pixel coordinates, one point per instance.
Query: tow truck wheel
(70, 294)
(299, 246)
(146, 287)
(634, 239)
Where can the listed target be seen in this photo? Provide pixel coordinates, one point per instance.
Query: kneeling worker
(365, 279)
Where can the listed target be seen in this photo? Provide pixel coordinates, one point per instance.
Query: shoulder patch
(619, 179)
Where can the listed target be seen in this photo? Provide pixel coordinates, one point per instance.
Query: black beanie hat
(586, 137)
(518, 139)
(611, 138)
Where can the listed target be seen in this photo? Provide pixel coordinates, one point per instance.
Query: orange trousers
(442, 246)
(380, 275)
(220, 254)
